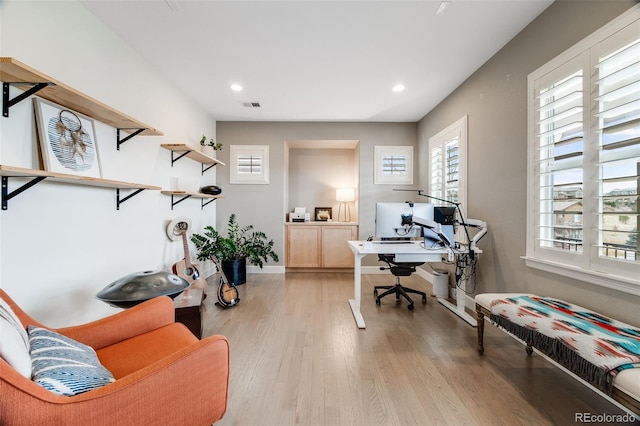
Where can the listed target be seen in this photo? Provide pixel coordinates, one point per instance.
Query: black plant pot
(235, 270)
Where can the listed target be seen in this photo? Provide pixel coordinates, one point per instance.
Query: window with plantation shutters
(249, 164)
(452, 182)
(584, 159)
(393, 165)
(447, 163)
(560, 153)
(618, 129)
(444, 170)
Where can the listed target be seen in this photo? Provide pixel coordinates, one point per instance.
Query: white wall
(60, 244)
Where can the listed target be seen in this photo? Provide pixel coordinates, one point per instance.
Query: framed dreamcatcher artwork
(67, 140)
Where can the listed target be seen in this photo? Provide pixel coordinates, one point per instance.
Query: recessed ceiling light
(236, 88)
(398, 88)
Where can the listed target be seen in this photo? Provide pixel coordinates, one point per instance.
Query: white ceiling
(316, 60)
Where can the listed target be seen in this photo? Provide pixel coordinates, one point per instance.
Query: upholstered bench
(625, 386)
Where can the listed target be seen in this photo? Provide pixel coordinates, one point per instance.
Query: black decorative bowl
(211, 190)
(140, 286)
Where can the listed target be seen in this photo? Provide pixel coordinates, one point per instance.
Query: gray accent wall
(265, 206)
(495, 100)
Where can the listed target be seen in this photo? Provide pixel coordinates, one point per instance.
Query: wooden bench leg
(480, 327)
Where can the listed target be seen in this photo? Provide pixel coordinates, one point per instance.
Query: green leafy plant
(216, 146)
(241, 242)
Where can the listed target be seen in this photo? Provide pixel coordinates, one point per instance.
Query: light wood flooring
(298, 358)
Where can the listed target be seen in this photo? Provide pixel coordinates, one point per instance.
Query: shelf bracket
(173, 203)
(120, 201)
(6, 195)
(8, 103)
(204, 170)
(174, 158)
(202, 203)
(126, 138)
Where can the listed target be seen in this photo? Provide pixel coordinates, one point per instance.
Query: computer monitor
(393, 220)
(445, 216)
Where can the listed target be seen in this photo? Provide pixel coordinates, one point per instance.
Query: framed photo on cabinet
(323, 214)
(67, 140)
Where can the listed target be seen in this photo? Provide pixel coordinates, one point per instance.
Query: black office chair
(399, 269)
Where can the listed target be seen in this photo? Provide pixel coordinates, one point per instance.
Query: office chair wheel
(378, 302)
(410, 307)
(375, 292)
(424, 299)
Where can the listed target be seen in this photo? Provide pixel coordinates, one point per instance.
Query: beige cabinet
(303, 246)
(335, 250)
(320, 245)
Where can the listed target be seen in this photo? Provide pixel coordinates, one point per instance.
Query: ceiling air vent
(251, 104)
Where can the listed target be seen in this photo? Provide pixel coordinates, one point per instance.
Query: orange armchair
(164, 374)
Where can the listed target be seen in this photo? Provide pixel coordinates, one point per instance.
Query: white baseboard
(425, 274)
(252, 269)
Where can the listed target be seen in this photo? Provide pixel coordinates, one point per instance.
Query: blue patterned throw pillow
(64, 366)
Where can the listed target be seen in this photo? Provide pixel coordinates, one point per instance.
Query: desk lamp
(345, 196)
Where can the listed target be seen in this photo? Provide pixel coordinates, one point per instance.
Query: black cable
(468, 270)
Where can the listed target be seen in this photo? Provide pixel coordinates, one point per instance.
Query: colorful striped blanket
(590, 345)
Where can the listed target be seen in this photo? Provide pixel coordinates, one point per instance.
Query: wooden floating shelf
(192, 153)
(37, 176)
(24, 77)
(190, 194)
(183, 195)
(11, 171)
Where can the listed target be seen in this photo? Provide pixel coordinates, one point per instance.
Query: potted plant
(209, 147)
(241, 245)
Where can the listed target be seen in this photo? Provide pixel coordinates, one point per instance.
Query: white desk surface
(411, 248)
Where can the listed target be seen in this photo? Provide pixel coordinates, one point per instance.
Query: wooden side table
(188, 307)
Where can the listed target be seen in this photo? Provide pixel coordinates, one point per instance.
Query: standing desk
(406, 252)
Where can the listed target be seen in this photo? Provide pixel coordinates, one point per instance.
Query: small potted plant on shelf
(209, 147)
(241, 245)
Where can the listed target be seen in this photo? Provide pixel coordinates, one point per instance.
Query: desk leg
(357, 291)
